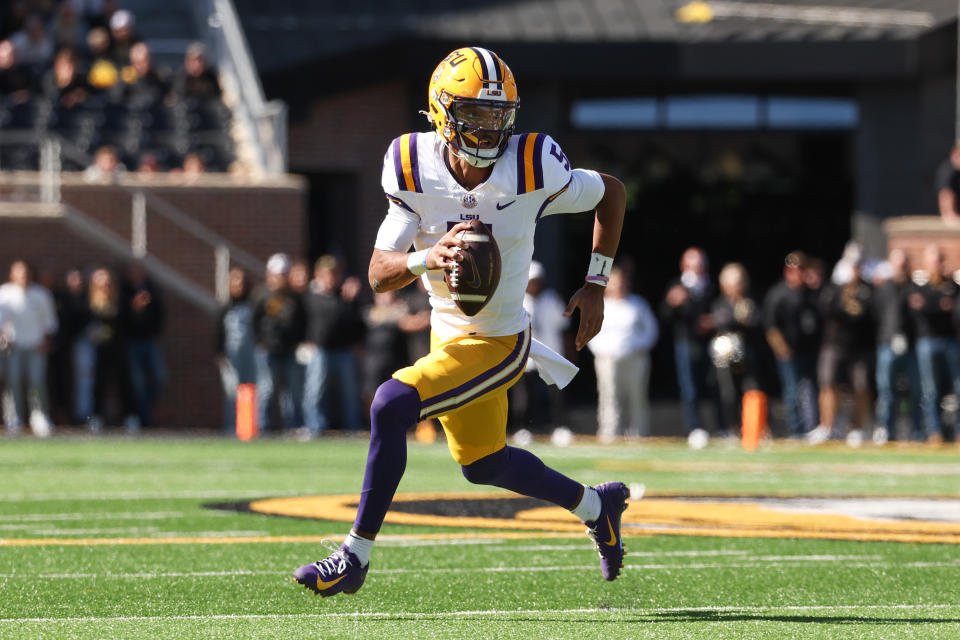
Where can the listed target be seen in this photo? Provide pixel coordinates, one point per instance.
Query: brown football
(474, 281)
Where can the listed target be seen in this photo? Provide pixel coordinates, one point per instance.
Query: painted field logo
(913, 520)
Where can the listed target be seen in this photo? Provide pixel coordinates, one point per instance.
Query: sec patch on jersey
(473, 281)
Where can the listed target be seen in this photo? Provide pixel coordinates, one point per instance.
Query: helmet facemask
(472, 101)
(481, 128)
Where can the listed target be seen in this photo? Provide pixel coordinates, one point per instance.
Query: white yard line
(588, 544)
(150, 532)
(491, 612)
(123, 515)
(56, 531)
(796, 563)
(236, 494)
(209, 534)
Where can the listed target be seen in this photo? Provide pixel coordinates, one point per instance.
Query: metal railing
(224, 251)
(265, 122)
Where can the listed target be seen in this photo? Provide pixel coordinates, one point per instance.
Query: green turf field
(111, 538)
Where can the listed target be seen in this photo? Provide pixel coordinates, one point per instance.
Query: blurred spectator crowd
(82, 350)
(314, 352)
(867, 350)
(79, 69)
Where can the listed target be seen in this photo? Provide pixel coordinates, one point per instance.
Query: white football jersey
(532, 179)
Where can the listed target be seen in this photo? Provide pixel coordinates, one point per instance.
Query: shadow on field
(741, 616)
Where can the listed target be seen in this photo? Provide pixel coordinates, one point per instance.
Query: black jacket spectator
(73, 309)
(931, 309)
(195, 79)
(685, 318)
(333, 323)
(742, 320)
(123, 36)
(794, 312)
(891, 312)
(144, 312)
(848, 321)
(144, 85)
(14, 81)
(64, 83)
(279, 321)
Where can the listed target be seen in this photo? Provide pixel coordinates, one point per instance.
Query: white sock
(589, 508)
(361, 547)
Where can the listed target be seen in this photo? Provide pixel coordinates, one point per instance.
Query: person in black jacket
(236, 344)
(143, 315)
(848, 345)
(931, 307)
(99, 356)
(335, 327)
(279, 322)
(15, 83)
(73, 314)
(896, 356)
(196, 80)
(733, 349)
(686, 308)
(792, 324)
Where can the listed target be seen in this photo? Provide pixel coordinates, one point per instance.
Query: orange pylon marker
(247, 427)
(426, 432)
(754, 419)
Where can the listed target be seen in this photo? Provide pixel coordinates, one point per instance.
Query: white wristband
(417, 262)
(599, 270)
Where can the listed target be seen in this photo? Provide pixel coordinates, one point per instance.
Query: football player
(472, 166)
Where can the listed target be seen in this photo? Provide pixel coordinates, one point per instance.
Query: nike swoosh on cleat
(326, 585)
(613, 536)
(502, 207)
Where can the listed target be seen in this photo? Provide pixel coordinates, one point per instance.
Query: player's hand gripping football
(589, 298)
(446, 251)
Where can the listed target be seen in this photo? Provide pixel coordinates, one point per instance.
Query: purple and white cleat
(606, 530)
(341, 571)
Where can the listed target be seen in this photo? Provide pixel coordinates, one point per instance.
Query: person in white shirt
(535, 404)
(621, 353)
(29, 323)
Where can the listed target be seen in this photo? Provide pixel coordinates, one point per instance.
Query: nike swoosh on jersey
(613, 537)
(501, 207)
(326, 585)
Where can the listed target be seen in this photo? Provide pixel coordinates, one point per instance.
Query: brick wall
(350, 132)
(259, 219)
(912, 234)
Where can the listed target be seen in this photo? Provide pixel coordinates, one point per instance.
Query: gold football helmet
(473, 104)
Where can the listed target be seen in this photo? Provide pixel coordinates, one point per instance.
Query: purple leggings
(396, 408)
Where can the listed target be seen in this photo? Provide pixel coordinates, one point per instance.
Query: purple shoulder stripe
(397, 164)
(415, 163)
(538, 162)
(400, 203)
(521, 170)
